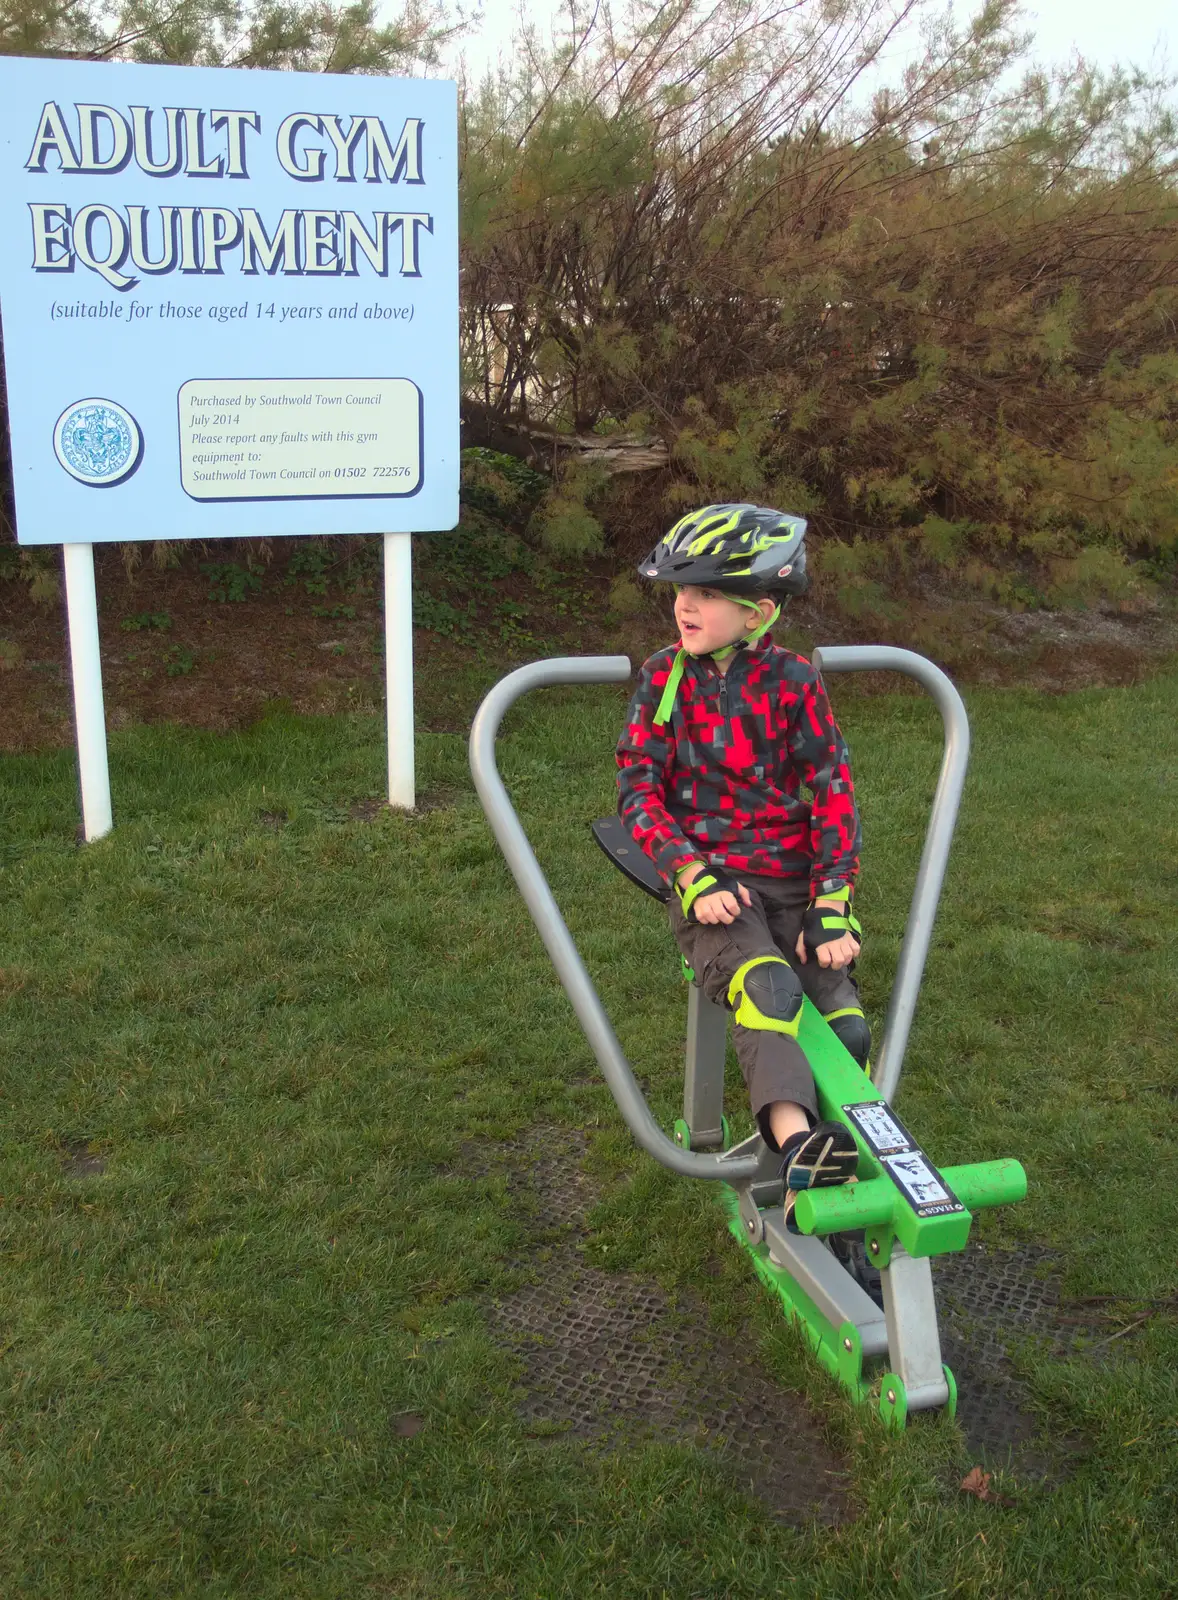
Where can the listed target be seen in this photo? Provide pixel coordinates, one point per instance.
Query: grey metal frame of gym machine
(907, 1331)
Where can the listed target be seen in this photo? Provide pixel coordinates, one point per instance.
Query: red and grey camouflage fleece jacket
(721, 780)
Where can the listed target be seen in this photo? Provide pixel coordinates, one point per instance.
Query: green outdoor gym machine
(907, 1209)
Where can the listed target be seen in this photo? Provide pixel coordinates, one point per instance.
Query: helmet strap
(746, 638)
(675, 676)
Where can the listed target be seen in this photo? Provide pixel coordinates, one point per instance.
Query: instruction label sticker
(926, 1193)
(883, 1131)
(903, 1160)
(300, 438)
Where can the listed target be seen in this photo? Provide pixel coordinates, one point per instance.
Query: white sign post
(86, 667)
(230, 308)
(398, 666)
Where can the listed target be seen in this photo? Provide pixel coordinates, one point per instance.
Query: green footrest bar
(876, 1202)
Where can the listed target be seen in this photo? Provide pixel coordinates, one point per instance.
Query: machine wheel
(893, 1402)
(681, 1133)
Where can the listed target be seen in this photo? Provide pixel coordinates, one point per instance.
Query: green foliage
(179, 661)
(838, 321)
(230, 582)
(439, 616)
(1005, 586)
(726, 459)
(943, 542)
(564, 526)
(160, 621)
(500, 485)
(454, 571)
(564, 523)
(1094, 574)
(1161, 567)
(299, 35)
(478, 552)
(626, 599)
(37, 567)
(498, 488)
(311, 561)
(510, 617)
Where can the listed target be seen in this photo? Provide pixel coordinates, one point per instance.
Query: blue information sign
(229, 301)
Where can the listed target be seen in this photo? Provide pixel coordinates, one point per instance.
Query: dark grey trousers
(773, 1064)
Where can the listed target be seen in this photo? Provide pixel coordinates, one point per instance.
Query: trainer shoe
(816, 1160)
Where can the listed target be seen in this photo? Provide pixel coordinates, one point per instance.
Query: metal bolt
(874, 1247)
(891, 1397)
(678, 1136)
(847, 1345)
(751, 1226)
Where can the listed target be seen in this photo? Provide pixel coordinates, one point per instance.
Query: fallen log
(546, 448)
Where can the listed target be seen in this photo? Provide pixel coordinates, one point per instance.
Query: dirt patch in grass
(1062, 650)
(182, 657)
(170, 653)
(173, 653)
(79, 1161)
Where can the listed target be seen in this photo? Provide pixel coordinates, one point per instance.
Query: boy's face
(709, 621)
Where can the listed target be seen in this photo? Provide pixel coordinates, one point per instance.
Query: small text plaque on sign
(296, 439)
(230, 301)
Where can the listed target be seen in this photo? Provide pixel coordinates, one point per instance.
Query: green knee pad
(849, 1026)
(766, 993)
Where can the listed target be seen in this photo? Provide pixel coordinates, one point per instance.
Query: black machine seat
(619, 846)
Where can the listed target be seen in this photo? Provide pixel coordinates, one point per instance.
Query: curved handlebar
(930, 875)
(578, 985)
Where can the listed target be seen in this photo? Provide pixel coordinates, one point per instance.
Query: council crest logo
(98, 442)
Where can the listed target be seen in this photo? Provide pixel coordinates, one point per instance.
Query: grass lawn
(254, 1050)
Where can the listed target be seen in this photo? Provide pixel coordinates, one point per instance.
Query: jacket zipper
(724, 676)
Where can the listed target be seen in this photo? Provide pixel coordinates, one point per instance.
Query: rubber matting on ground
(606, 1358)
(987, 1300)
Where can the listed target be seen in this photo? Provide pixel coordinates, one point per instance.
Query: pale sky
(1131, 32)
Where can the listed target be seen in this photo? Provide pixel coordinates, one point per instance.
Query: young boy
(721, 733)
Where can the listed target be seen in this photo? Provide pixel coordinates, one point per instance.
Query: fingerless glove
(825, 924)
(709, 881)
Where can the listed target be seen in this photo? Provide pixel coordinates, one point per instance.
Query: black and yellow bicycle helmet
(737, 549)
